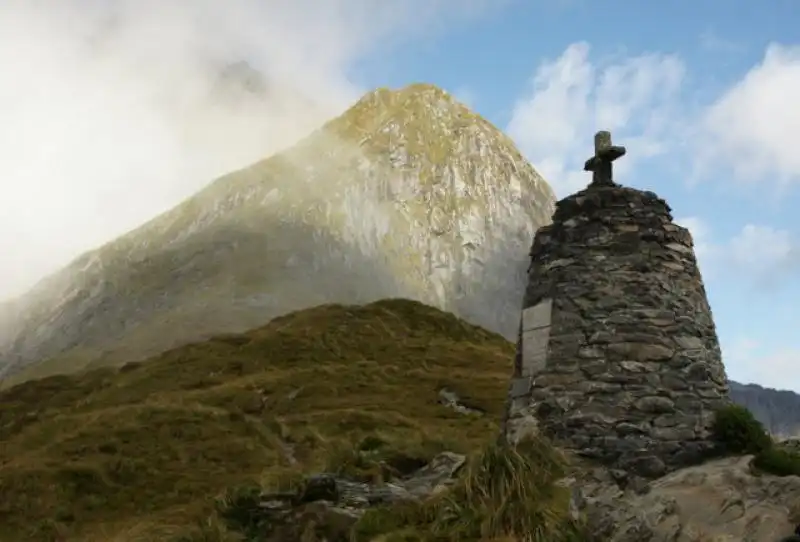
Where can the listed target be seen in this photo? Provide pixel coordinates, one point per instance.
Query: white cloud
(757, 252)
(752, 128)
(713, 42)
(110, 114)
(571, 98)
(761, 248)
(746, 360)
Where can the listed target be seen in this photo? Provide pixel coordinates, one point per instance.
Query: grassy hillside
(140, 452)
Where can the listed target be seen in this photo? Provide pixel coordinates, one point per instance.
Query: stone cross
(604, 154)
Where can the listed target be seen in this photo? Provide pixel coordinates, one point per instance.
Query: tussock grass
(141, 452)
(504, 494)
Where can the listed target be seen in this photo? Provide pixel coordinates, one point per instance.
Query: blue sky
(667, 66)
(106, 120)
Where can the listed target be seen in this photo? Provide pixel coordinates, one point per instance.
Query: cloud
(713, 42)
(757, 253)
(746, 360)
(751, 129)
(761, 248)
(115, 110)
(570, 98)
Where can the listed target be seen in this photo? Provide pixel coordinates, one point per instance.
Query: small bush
(778, 462)
(739, 432)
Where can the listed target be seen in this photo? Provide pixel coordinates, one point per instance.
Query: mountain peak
(406, 194)
(419, 93)
(419, 105)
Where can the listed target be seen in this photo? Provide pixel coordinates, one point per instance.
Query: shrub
(778, 461)
(739, 432)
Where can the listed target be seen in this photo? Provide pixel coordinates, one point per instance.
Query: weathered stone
(689, 343)
(679, 434)
(590, 352)
(337, 503)
(650, 466)
(641, 351)
(721, 500)
(520, 387)
(629, 331)
(534, 349)
(538, 315)
(599, 387)
(655, 404)
(627, 428)
(674, 382)
(633, 366)
(557, 379)
(558, 263)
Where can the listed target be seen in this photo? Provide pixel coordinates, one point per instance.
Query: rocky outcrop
(327, 506)
(720, 501)
(618, 357)
(778, 410)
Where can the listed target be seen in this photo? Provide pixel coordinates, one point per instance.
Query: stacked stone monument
(618, 357)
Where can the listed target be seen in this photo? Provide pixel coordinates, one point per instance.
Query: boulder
(722, 500)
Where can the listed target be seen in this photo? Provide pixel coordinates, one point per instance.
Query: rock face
(407, 194)
(778, 410)
(618, 357)
(720, 501)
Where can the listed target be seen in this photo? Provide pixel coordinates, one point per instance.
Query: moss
(140, 452)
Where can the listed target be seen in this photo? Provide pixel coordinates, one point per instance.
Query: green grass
(141, 452)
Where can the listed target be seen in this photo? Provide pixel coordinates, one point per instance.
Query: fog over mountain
(117, 110)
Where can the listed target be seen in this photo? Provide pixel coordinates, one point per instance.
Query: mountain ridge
(778, 410)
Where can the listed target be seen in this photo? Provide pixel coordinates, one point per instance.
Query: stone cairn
(617, 358)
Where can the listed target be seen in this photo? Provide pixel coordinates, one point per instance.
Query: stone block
(538, 315)
(520, 387)
(534, 350)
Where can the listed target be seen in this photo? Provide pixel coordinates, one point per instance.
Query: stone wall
(618, 356)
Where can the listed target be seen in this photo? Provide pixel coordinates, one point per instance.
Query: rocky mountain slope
(407, 194)
(778, 410)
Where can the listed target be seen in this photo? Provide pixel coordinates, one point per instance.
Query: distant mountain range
(407, 194)
(778, 410)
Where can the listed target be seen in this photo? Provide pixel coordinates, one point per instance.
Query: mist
(113, 111)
